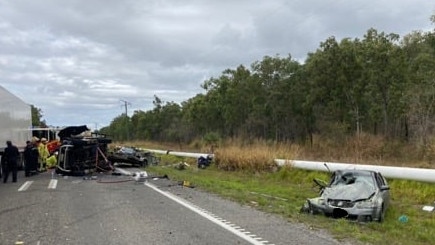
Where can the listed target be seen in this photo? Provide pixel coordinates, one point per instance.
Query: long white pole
(418, 174)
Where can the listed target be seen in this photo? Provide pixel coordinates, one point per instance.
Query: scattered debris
(428, 208)
(403, 219)
(140, 176)
(185, 183)
(165, 176)
(204, 162)
(93, 177)
(181, 165)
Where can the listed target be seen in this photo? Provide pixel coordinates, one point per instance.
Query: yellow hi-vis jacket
(52, 161)
(43, 153)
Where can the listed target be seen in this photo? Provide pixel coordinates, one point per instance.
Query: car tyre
(381, 216)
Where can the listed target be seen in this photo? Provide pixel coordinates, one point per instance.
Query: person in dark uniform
(10, 155)
(31, 158)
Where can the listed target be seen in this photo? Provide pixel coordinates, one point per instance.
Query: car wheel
(381, 216)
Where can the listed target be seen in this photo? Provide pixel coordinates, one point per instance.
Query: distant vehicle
(360, 195)
(132, 156)
(15, 122)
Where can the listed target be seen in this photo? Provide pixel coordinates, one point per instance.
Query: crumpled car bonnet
(351, 192)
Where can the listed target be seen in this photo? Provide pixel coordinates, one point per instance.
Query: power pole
(126, 104)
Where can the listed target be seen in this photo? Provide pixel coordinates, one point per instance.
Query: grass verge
(284, 191)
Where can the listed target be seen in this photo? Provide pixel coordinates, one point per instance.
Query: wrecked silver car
(359, 195)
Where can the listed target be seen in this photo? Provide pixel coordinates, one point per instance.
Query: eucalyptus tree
(420, 49)
(236, 104)
(209, 107)
(37, 115)
(118, 128)
(141, 125)
(280, 97)
(384, 71)
(193, 116)
(171, 122)
(229, 101)
(336, 86)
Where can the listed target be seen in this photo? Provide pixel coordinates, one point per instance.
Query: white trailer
(15, 121)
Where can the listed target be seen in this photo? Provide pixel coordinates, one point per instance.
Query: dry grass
(253, 156)
(258, 155)
(367, 149)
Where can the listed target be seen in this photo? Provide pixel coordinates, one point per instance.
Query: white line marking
(52, 184)
(25, 186)
(205, 215)
(123, 171)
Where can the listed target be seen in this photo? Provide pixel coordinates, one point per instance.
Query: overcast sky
(79, 60)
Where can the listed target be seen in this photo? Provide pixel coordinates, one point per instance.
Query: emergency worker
(52, 160)
(11, 155)
(43, 154)
(31, 154)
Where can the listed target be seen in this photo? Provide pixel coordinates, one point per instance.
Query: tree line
(379, 84)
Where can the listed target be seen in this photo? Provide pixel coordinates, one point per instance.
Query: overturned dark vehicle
(359, 195)
(82, 152)
(132, 156)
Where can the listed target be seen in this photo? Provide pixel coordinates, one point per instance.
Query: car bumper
(351, 213)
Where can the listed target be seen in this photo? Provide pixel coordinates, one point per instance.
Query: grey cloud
(77, 59)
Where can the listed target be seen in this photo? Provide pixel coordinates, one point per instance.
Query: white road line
(52, 184)
(123, 171)
(25, 186)
(205, 215)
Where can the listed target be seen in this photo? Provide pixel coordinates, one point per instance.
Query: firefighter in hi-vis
(43, 154)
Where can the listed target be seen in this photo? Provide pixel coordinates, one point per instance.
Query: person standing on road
(43, 154)
(31, 158)
(11, 155)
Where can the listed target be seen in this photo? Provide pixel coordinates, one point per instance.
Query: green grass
(283, 192)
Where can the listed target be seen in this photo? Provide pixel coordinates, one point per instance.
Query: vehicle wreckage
(132, 156)
(82, 152)
(360, 195)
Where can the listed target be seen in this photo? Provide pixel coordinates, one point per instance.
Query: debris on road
(140, 176)
(186, 183)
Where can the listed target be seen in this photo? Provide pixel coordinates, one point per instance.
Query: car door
(383, 188)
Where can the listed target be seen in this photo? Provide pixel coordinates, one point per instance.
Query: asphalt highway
(108, 209)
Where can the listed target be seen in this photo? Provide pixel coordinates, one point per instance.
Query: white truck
(15, 122)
